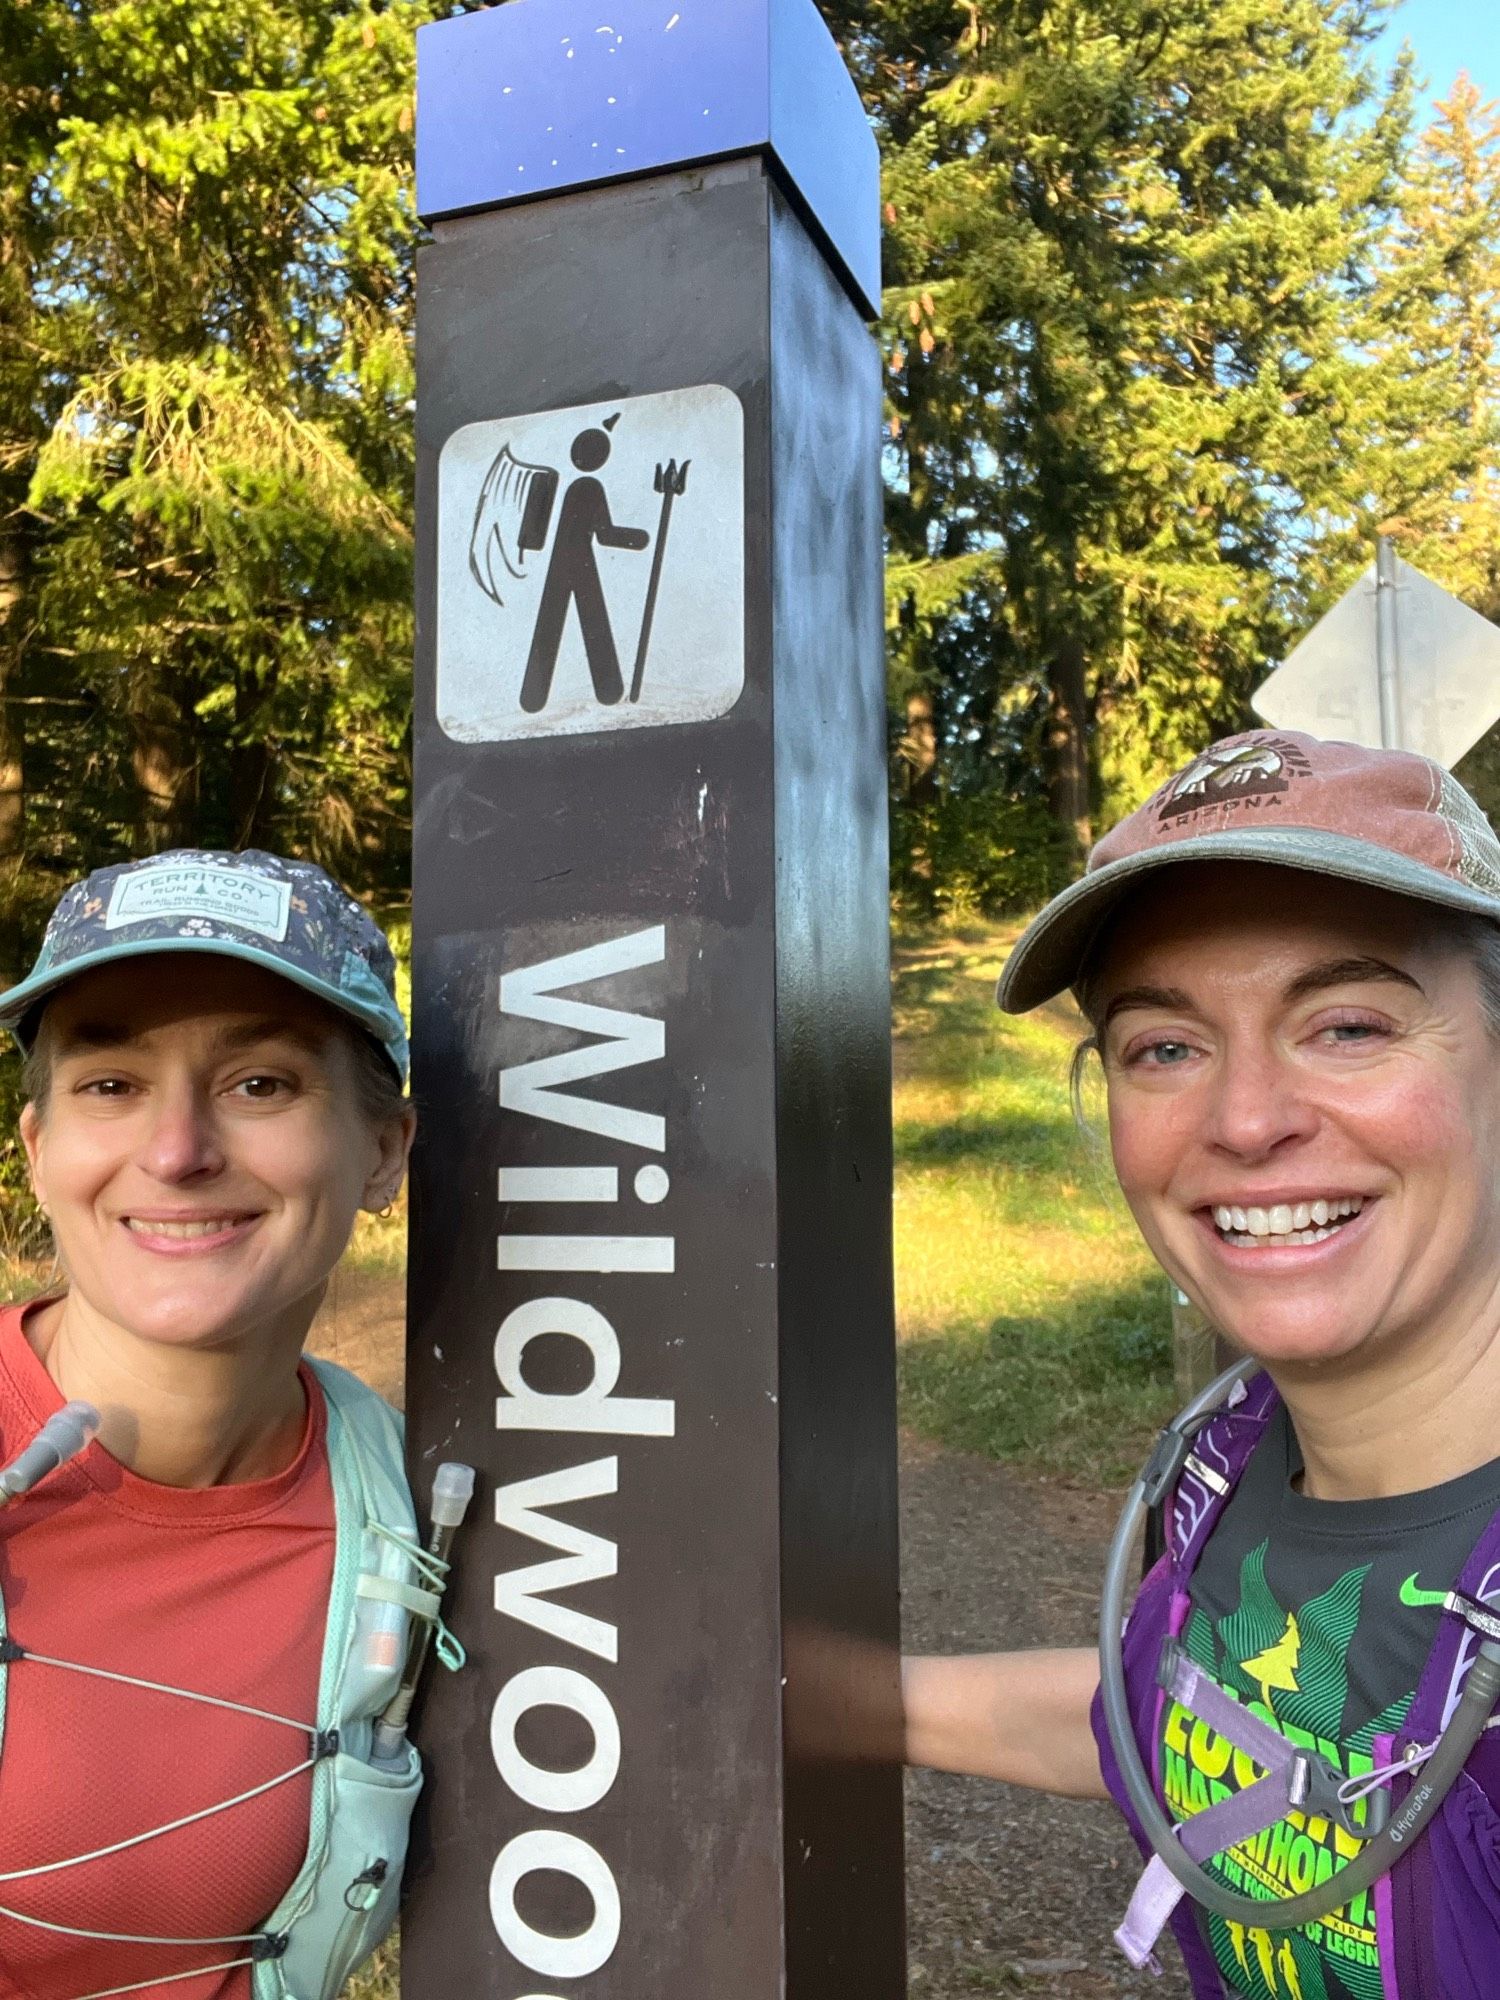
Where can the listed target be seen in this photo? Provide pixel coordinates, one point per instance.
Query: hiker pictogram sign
(591, 570)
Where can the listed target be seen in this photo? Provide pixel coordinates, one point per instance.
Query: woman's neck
(1404, 1417)
(186, 1417)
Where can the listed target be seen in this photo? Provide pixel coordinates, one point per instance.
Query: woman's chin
(1278, 1343)
(190, 1319)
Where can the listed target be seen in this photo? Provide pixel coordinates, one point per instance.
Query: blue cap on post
(540, 96)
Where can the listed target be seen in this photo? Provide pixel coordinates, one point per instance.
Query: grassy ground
(1034, 1326)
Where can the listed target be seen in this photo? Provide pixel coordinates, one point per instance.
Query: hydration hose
(452, 1490)
(1382, 1849)
(66, 1432)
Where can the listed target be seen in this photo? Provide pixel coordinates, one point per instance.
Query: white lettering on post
(540, 1090)
(521, 1593)
(563, 1854)
(547, 1790)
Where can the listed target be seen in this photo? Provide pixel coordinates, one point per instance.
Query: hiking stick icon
(671, 483)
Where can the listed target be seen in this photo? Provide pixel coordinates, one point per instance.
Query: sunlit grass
(1033, 1322)
(379, 1242)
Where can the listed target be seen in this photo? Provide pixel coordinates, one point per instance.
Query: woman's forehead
(199, 998)
(1239, 915)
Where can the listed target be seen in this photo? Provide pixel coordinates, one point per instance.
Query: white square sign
(591, 568)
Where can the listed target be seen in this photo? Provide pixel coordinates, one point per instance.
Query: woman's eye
(105, 1086)
(1353, 1031)
(1160, 1055)
(261, 1088)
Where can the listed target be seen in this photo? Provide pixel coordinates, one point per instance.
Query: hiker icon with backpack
(513, 520)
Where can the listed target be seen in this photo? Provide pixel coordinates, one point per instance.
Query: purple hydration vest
(1437, 1912)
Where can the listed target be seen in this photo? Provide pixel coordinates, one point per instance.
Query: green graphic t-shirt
(1319, 1615)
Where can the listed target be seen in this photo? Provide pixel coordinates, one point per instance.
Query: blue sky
(1450, 35)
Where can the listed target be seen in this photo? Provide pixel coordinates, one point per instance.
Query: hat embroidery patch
(1234, 774)
(225, 895)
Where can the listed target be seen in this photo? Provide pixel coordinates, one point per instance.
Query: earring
(388, 1210)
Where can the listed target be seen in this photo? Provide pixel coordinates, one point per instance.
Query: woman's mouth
(183, 1233)
(1285, 1223)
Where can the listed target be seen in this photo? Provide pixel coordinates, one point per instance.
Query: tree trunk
(13, 939)
(12, 729)
(250, 761)
(1068, 746)
(919, 750)
(165, 773)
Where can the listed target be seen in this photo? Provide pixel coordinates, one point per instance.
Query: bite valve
(67, 1432)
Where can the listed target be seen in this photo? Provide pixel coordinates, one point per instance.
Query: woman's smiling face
(1304, 1107)
(203, 1151)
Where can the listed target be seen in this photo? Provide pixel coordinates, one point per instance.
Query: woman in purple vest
(1289, 961)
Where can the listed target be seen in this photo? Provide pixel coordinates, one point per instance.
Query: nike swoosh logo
(1410, 1594)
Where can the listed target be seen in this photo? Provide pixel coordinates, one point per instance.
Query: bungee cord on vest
(265, 1944)
(63, 1437)
(422, 1600)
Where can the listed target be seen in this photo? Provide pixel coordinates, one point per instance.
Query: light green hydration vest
(345, 1897)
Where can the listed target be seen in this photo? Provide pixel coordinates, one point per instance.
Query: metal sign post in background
(650, 1279)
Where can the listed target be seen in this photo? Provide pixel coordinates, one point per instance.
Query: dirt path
(1010, 1893)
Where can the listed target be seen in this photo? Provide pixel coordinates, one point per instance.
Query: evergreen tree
(35, 44)
(1441, 305)
(1127, 246)
(221, 592)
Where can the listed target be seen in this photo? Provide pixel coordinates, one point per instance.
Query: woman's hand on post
(1021, 1717)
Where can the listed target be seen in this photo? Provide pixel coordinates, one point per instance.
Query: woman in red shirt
(201, 1135)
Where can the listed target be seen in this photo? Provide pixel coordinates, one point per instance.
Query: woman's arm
(1023, 1717)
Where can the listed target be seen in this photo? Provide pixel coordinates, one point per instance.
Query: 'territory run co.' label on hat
(591, 568)
(220, 895)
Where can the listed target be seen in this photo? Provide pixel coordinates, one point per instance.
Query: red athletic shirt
(223, 1591)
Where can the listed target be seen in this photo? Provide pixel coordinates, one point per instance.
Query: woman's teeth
(1306, 1222)
(213, 1226)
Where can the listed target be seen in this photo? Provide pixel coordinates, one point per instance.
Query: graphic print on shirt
(1291, 1670)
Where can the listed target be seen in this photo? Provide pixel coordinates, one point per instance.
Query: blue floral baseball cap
(287, 916)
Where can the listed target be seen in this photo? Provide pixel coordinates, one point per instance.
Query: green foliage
(210, 447)
(1178, 316)
(24, 1235)
(965, 854)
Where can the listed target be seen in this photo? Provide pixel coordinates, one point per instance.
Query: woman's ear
(31, 1139)
(395, 1139)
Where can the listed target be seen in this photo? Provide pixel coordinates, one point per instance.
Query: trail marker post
(650, 1264)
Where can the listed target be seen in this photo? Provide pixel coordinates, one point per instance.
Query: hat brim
(1051, 951)
(17, 1002)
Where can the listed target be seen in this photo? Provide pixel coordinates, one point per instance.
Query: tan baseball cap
(1387, 818)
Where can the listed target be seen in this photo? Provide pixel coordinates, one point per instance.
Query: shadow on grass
(1078, 1393)
(1008, 1138)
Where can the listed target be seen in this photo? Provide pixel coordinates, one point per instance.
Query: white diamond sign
(1445, 665)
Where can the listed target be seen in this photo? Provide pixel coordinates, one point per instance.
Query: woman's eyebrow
(104, 1035)
(1171, 999)
(1347, 972)
(249, 1034)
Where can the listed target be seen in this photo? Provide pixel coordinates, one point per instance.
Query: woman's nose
(183, 1139)
(1258, 1104)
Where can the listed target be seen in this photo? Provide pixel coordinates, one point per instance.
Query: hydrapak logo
(539, 1594)
(591, 568)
